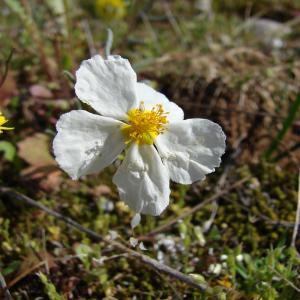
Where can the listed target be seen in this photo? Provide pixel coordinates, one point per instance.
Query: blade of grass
(285, 127)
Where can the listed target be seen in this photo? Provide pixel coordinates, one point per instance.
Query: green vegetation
(214, 66)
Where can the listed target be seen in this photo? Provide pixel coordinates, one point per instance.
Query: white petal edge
(143, 181)
(191, 149)
(86, 143)
(107, 85)
(136, 220)
(151, 97)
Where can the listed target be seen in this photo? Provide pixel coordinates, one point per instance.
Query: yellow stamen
(144, 125)
(3, 120)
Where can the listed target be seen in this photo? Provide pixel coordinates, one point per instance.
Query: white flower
(215, 269)
(240, 258)
(223, 257)
(159, 144)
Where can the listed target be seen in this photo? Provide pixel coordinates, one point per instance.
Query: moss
(210, 69)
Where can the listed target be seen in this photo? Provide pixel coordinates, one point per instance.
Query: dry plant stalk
(295, 232)
(3, 289)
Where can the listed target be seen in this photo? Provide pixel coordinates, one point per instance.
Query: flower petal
(151, 97)
(136, 220)
(86, 143)
(191, 148)
(143, 181)
(107, 85)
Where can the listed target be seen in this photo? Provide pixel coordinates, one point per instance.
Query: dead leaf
(52, 181)
(35, 150)
(31, 264)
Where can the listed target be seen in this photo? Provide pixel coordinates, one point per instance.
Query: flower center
(144, 125)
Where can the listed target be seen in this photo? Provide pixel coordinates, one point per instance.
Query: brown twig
(177, 296)
(286, 280)
(6, 67)
(26, 273)
(4, 289)
(172, 20)
(262, 217)
(194, 209)
(152, 263)
(89, 37)
(37, 38)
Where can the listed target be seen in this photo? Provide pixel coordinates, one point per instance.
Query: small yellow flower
(109, 10)
(225, 282)
(3, 120)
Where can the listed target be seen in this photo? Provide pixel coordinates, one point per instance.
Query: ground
(224, 64)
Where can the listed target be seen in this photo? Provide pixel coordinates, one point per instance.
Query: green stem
(288, 122)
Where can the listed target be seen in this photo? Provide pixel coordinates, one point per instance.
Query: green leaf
(11, 268)
(8, 149)
(50, 288)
